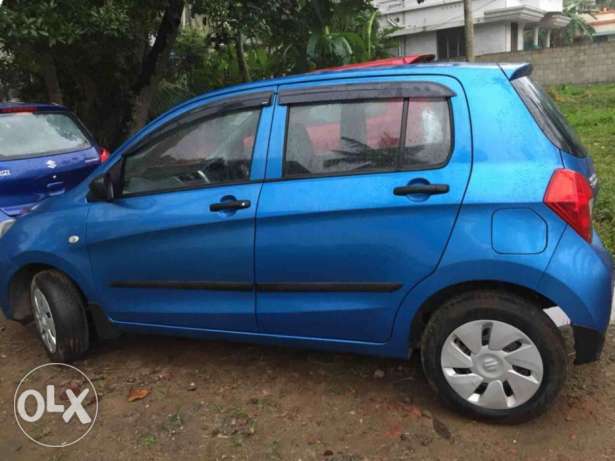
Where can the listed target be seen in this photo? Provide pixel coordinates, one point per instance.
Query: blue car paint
(334, 230)
(29, 180)
(511, 166)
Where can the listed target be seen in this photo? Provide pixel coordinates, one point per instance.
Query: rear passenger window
(366, 136)
(428, 135)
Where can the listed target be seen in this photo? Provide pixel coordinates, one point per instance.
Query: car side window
(213, 150)
(366, 136)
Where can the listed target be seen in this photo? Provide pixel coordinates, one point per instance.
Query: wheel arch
(437, 299)
(19, 289)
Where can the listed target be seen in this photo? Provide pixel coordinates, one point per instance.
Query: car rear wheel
(494, 356)
(59, 315)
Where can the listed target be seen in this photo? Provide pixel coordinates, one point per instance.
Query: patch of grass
(174, 423)
(590, 109)
(149, 440)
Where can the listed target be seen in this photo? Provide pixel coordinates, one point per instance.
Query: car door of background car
(364, 182)
(177, 247)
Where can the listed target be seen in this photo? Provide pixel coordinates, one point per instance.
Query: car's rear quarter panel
(512, 165)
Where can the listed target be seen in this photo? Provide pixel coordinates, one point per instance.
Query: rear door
(364, 182)
(41, 154)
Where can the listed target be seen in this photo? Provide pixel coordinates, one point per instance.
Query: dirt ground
(223, 401)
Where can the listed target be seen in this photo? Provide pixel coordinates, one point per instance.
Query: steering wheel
(203, 176)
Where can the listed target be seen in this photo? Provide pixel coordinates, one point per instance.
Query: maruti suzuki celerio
(378, 210)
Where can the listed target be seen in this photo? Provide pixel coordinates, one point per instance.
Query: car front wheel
(59, 315)
(494, 356)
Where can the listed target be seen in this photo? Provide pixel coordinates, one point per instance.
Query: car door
(177, 247)
(364, 182)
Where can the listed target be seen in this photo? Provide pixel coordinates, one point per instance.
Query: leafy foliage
(577, 29)
(104, 58)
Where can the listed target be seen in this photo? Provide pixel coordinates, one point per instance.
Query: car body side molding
(269, 287)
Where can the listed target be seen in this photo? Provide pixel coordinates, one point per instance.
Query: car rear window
(549, 118)
(31, 134)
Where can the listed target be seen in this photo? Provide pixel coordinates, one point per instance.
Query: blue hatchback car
(440, 208)
(44, 151)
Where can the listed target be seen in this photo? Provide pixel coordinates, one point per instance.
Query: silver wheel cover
(43, 317)
(492, 364)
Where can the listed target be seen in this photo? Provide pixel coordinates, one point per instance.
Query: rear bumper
(588, 345)
(579, 279)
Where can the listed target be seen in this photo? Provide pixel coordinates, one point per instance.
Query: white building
(436, 26)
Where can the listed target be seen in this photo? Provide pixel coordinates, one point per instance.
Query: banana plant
(577, 27)
(326, 48)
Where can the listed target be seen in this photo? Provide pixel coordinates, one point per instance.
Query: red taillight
(103, 155)
(569, 195)
(18, 109)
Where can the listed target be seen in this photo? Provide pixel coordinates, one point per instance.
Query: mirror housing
(102, 189)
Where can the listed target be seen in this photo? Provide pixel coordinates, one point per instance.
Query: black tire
(513, 310)
(69, 315)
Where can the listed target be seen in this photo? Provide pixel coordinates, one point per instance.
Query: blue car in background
(440, 208)
(44, 151)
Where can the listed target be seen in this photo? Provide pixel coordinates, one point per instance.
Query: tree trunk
(241, 58)
(50, 76)
(469, 30)
(153, 65)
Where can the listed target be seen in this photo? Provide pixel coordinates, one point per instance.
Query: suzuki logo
(490, 364)
(5, 173)
(51, 164)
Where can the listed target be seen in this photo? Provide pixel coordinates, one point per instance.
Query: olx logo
(75, 408)
(55, 405)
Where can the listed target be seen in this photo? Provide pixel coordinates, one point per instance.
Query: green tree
(344, 31)
(102, 58)
(245, 24)
(116, 63)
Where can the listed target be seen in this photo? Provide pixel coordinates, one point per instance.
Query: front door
(363, 188)
(177, 247)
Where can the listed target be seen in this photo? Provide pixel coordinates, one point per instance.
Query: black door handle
(230, 205)
(429, 189)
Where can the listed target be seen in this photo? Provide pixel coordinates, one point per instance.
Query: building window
(514, 36)
(451, 43)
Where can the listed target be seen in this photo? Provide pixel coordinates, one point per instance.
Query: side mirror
(102, 189)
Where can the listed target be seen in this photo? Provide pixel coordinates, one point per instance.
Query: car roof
(30, 106)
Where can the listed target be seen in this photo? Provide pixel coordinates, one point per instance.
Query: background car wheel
(59, 315)
(494, 356)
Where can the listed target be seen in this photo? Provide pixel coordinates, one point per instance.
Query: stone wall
(591, 63)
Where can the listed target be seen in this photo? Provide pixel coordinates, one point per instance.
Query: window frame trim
(405, 110)
(235, 103)
(342, 92)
